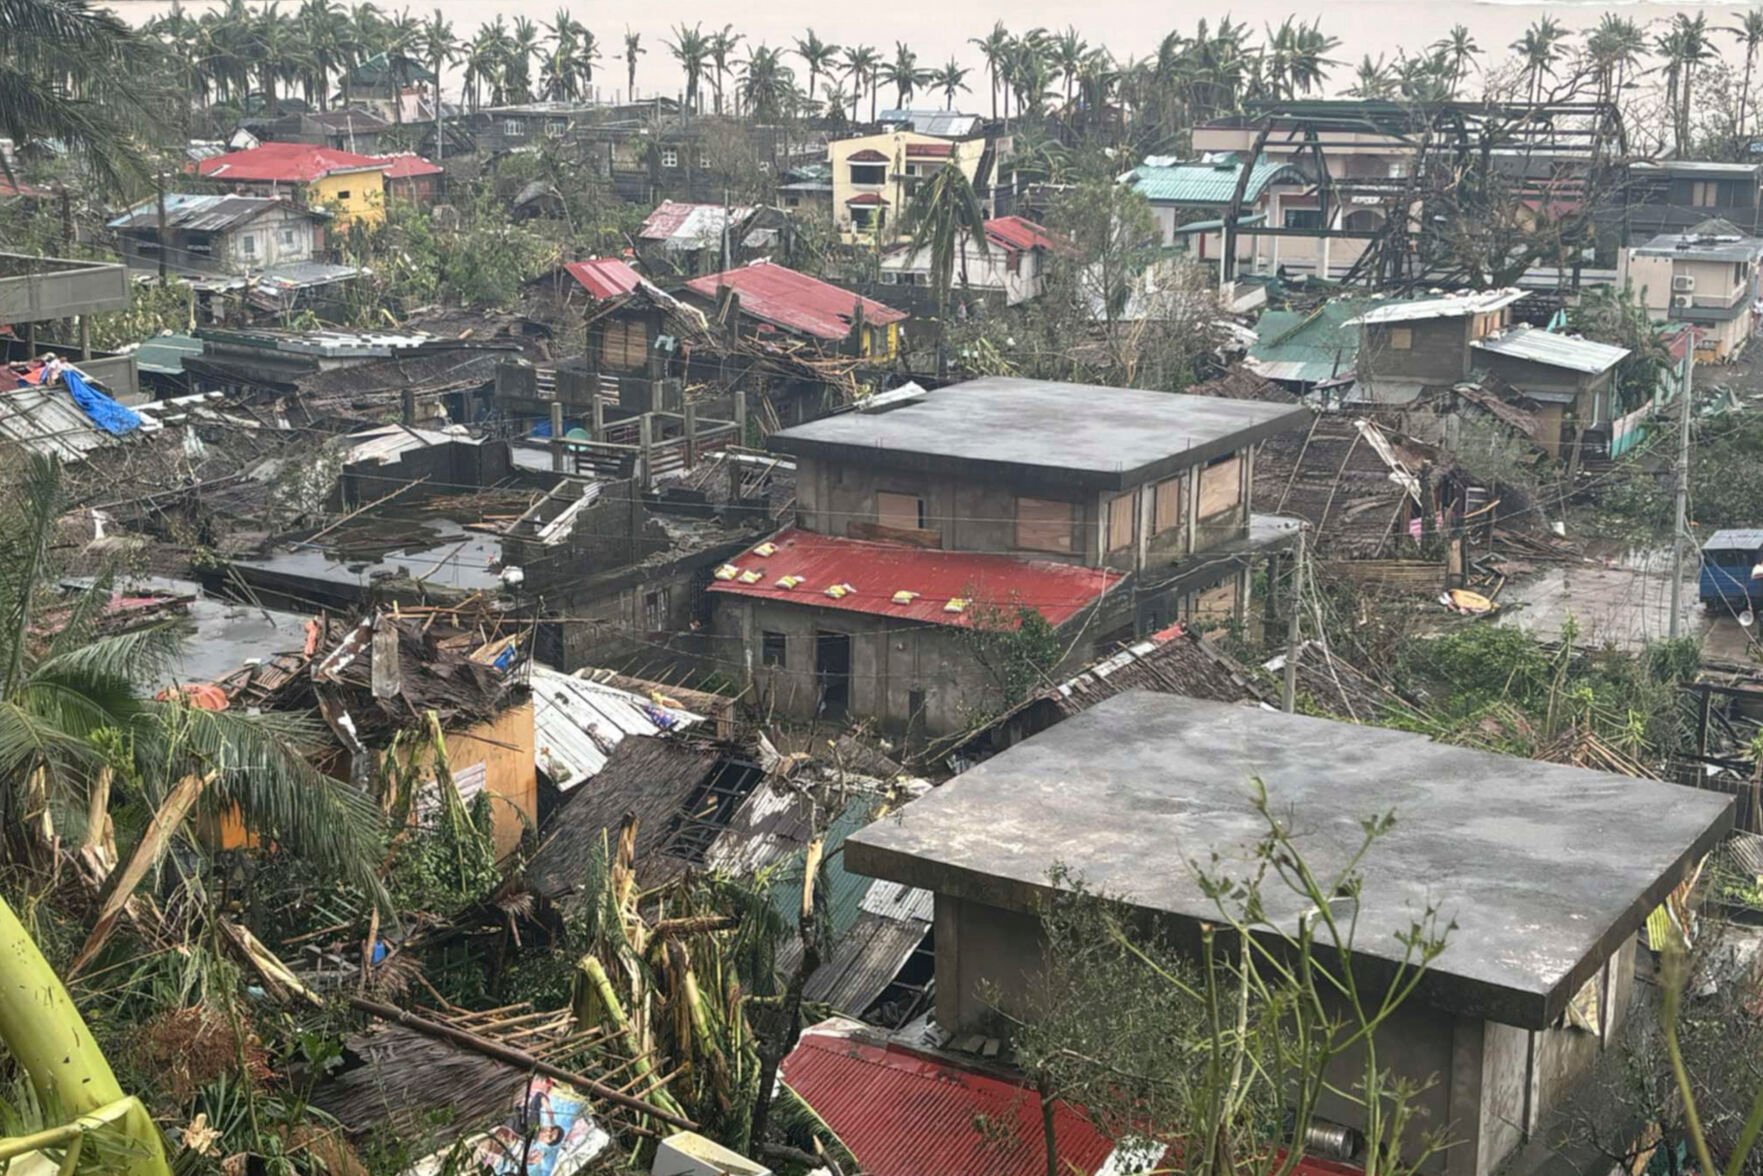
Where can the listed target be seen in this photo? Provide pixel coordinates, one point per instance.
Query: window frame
(1017, 537)
(1171, 489)
(900, 499)
(774, 649)
(1122, 514)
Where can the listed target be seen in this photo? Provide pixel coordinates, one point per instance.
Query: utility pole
(1288, 695)
(1681, 517)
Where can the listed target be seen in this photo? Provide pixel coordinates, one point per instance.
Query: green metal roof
(841, 890)
(1207, 183)
(1308, 346)
(164, 354)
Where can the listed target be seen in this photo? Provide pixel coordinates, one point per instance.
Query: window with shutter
(1220, 486)
(1120, 512)
(1043, 525)
(903, 512)
(1166, 507)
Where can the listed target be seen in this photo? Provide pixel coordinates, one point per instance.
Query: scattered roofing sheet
(285, 163)
(1448, 306)
(1086, 434)
(48, 421)
(874, 576)
(603, 277)
(1306, 347)
(199, 212)
(1546, 347)
(794, 301)
(691, 226)
(1544, 869)
(386, 445)
(577, 723)
(1208, 183)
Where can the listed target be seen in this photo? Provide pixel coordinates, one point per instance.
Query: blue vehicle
(1728, 559)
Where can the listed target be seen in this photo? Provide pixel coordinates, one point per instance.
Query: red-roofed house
(1011, 263)
(350, 186)
(774, 298)
(411, 177)
(926, 519)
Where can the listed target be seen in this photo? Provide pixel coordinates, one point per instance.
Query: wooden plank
(912, 536)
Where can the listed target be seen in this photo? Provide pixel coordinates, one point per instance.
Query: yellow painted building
(352, 188)
(873, 178)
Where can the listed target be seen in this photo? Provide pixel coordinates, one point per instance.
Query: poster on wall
(549, 1131)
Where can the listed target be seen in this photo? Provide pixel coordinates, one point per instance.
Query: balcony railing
(33, 289)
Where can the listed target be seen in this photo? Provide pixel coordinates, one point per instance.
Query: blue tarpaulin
(106, 413)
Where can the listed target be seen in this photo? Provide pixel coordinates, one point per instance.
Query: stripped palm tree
(943, 218)
(950, 78)
(1749, 32)
(860, 64)
(633, 49)
(691, 48)
(994, 47)
(1459, 48)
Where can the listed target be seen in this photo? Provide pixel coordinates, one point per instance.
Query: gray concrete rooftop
(1110, 438)
(1545, 869)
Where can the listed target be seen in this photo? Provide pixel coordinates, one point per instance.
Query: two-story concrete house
(39, 290)
(1009, 264)
(1708, 277)
(1541, 876)
(208, 234)
(1110, 512)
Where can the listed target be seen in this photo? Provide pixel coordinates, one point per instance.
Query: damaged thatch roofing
(1239, 383)
(395, 1079)
(1331, 686)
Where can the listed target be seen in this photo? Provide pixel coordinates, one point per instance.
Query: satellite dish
(1747, 618)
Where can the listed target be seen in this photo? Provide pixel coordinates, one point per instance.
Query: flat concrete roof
(1545, 869)
(1108, 438)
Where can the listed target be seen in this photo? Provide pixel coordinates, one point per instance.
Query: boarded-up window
(1043, 525)
(1401, 338)
(1166, 510)
(1120, 512)
(1220, 487)
(903, 512)
(625, 345)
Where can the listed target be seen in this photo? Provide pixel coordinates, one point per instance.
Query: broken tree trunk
(773, 1052)
(152, 846)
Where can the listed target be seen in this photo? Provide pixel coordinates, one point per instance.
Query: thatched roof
(396, 1079)
(1337, 476)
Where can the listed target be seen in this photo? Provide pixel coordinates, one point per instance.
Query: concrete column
(85, 336)
(740, 416)
(599, 429)
(557, 463)
(1193, 507)
(691, 418)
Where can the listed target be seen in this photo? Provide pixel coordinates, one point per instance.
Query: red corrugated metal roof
(1015, 232)
(781, 296)
(407, 165)
(867, 155)
(905, 1114)
(874, 572)
(937, 149)
(867, 198)
(284, 163)
(603, 277)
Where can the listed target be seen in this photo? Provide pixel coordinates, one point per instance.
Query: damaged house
(936, 516)
(1533, 985)
(376, 682)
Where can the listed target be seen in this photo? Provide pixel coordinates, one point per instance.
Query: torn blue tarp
(106, 413)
